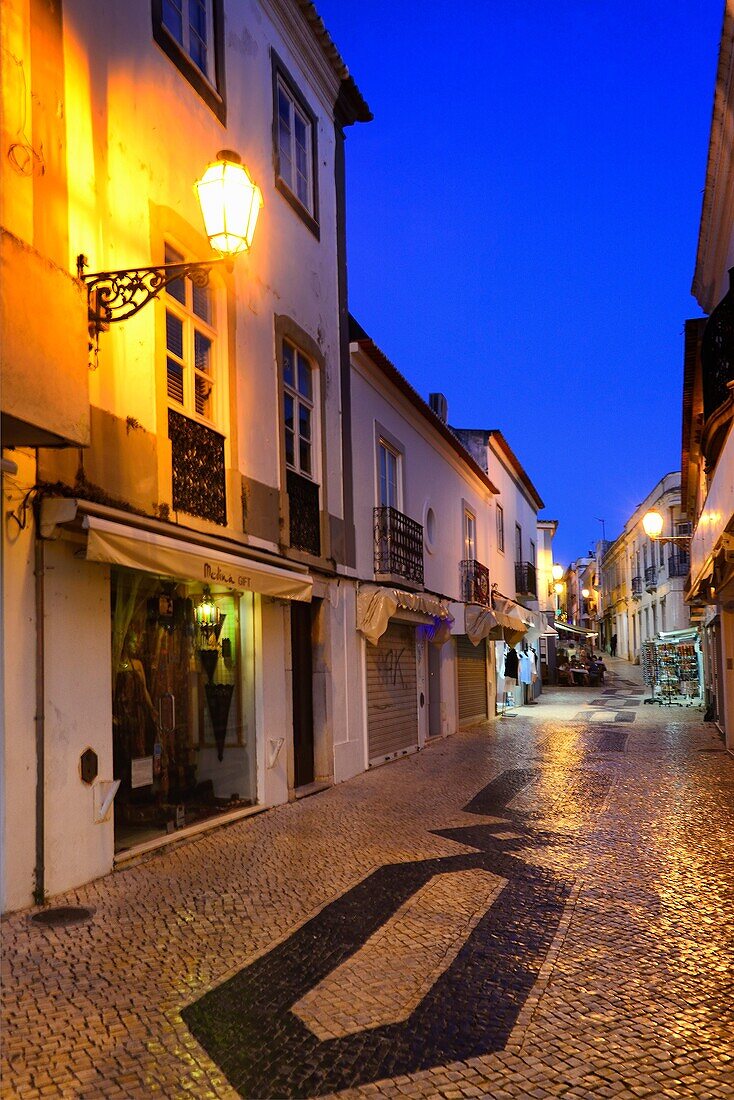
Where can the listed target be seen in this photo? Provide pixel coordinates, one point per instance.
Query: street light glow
(652, 523)
(230, 203)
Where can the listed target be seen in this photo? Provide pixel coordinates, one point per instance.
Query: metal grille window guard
(525, 580)
(475, 586)
(636, 587)
(679, 563)
(398, 545)
(197, 459)
(651, 577)
(304, 512)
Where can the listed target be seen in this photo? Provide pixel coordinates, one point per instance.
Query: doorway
(302, 659)
(434, 691)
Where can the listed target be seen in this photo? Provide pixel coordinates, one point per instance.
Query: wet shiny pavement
(542, 906)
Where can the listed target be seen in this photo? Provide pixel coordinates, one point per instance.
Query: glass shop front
(181, 688)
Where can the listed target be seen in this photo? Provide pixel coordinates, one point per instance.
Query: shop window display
(179, 738)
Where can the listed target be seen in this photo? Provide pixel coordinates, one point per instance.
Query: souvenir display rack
(671, 669)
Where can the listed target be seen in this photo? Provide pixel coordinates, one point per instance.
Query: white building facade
(174, 487)
(423, 511)
(643, 580)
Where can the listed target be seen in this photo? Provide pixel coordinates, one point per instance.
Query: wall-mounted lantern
(230, 203)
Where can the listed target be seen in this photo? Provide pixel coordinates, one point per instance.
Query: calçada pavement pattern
(540, 906)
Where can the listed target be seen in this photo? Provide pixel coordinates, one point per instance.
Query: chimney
(439, 405)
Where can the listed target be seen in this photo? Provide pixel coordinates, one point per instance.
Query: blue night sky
(522, 224)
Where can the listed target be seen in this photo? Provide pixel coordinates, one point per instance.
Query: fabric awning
(480, 622)
(577, 630)
(377, 605)
(136, 548)
(510, 618)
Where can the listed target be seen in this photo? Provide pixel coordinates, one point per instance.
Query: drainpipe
(39, 892)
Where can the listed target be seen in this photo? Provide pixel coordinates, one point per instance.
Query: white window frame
(301, 401)
(500, 528)
(384, 446)
(470, 535)
(192, 324)
(187, 34)
(518, 543)
(296, 110)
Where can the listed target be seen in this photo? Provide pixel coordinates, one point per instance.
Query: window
(518, 542)
(294, 134)
(190, 32)
(389, 484)
(189, 22)
(500, 529)
(470, 535)
(532, 552)
(190, 335)
(298, 410)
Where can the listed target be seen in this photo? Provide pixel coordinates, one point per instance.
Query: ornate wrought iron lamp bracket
(116, 295)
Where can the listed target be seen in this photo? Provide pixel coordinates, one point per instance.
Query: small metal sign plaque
(141, 771)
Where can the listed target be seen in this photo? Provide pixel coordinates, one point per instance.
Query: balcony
(474, 582)
(398, 546)
(636, 588)
(303, 513)
(651, 578)
(525, 580)
(679, 563)
(199, 478)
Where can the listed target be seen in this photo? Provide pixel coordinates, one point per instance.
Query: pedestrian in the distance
(613, 645)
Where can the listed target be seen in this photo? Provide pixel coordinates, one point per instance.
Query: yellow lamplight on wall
(652, 523)
(230, 204)
(557, 572)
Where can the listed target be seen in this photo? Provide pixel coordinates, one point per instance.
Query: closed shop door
(392, 707)
(472, 676)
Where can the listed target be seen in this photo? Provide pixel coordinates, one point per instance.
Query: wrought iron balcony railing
(525, 580)
(398, 545)
(474, 582)
(304, 513)
(651, 578)
(636, 588)
(679, 563)
(197, 460)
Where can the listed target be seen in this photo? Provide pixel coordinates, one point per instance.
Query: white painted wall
(17, 731)
(275, 719)
(433, 476)
(78, 715)
(517, 509)
(350, 751)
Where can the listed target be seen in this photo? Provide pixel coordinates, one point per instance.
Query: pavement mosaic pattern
(541, 906)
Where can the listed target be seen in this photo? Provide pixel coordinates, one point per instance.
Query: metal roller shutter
(472, 675)
(392, 707)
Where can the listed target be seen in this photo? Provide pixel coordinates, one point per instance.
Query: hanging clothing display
(525, 668)
(512, 661)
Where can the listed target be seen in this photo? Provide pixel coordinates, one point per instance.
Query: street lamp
(585, 592)
(652, 523)
(230, 203)
(557, 572)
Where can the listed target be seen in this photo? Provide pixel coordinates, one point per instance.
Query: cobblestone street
(542, 906)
